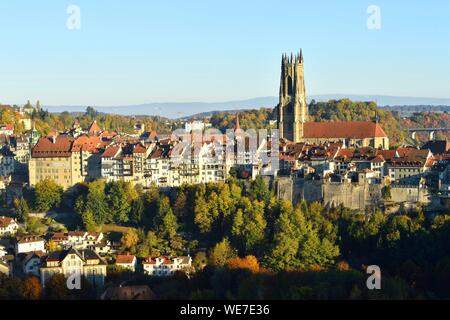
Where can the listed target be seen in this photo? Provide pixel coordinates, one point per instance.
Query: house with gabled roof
(8, 226)
(85, 263)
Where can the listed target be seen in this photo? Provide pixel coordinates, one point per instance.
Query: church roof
(94, 128)
(335, 129)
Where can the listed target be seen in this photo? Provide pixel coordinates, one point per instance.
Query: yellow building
(53, 157)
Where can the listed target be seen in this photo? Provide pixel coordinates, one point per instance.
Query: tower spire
(237, 126)
(292, 107)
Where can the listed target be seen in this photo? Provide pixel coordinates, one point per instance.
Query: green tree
(137, 211)
(165, 221)
(249, 225)
(47, 195)
(119, 203)
(22, 209)
(222, 253)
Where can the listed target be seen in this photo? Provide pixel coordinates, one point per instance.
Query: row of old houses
(167, 161)
(403, 166)
(75, 253)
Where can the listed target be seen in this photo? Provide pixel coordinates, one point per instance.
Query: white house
(3, 252)
(29, 243)
(7, 129)
(75, 238)
(127, 261)
(8, 226)
(165, 266)
(72, 261)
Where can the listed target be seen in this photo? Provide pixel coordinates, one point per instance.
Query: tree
(202, 218)
(151, 204)
(200, 260)
(153, 245)
(259, 190)
(130, 239)
(119, 203)
(221, 253)
(297, 243)
(249, 225)
(283, 255)
(386, 192)
(249, 262)
(96, 202)
(91, 112)
(22, 209)
(56, 288)
(165, 221)
(32, 288)
(89, 220)
(137, 211)
(47, 195)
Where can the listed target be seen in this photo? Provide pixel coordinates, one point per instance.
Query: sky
(132, 52)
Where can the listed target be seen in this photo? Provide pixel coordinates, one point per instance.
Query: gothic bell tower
(292, 109)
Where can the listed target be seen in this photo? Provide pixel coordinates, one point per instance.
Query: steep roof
(335, 129)
(125, 259)
(5, 222)
(86, 143)
(111, 152)
(86, 254)
(54, 146)
(94, 128)
(139, 148)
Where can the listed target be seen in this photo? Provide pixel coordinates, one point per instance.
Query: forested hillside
(250, 240)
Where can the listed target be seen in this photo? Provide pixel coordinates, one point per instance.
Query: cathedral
(293, 121)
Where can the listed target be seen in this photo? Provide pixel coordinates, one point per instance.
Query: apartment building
(29, 243)
(166, 266)
(54, 157)
(68, 262)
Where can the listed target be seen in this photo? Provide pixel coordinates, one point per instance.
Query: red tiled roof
(28, 239)
(139, 148)
(94, 128)
(354, 129)
(410, 152)
(4, 222)
(7, 126)
(76, 233)
(404, 152)
(86, 143)
(125, 259)
(387, 154)
(60, 146)
(111, 152)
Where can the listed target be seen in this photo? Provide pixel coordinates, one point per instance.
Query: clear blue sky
(130, 52)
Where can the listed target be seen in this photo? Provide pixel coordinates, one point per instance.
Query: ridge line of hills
(177, 110)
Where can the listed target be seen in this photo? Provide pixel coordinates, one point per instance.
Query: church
(293, 123)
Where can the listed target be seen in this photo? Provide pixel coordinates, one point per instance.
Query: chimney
(54, 138)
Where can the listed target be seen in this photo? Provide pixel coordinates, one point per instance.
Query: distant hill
(176, 110)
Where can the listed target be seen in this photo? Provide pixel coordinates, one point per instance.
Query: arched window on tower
(290, 91)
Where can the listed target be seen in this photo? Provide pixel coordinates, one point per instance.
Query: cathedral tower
(292, 109)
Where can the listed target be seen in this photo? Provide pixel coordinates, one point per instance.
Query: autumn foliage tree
(248, 262)
(32, 289)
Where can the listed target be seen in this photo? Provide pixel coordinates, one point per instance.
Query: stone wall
(354, 196)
